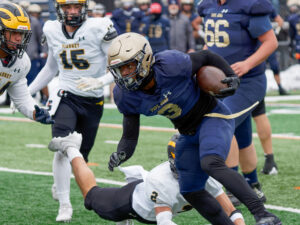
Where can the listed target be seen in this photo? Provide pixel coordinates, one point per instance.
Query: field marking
(106, 181)
(147, 128)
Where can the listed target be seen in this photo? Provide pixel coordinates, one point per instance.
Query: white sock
(73, 153)
(62, 176)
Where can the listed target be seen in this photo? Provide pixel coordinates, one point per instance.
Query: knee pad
(212, 163)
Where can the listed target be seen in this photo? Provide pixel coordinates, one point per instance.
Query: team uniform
(74, 55)
(139, 198)
(82, 54)
(127, 21)
(182, 101)
(294, 21)
(232, 31)
(157, 31)
(13, 79)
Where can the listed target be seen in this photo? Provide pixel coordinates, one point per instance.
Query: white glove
(165, 218)
(12, 107)
(89, 83)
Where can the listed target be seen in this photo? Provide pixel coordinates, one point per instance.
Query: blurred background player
(78, 51)
(15, 32)
(98, 10)
(148, 197)
(144, 6)
(294, 21)
(127, 18)
(245, 48)
(181, 31)
(156, 28)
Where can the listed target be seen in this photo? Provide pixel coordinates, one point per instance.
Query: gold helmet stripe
(16, 22)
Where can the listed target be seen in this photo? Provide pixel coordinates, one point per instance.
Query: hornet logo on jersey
(224, 11)
(17, 70)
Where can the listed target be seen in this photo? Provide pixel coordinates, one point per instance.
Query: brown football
(209, 79)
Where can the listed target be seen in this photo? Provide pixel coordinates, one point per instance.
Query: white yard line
(148, 128)
(106, 181)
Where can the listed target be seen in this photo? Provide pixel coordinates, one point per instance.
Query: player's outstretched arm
(91, 83)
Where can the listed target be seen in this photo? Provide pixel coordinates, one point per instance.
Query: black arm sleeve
(208, 58)
(129, 140)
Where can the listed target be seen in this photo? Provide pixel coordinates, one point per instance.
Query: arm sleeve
(129, 139)
(45, 75)
(21, 97)
(208, 58)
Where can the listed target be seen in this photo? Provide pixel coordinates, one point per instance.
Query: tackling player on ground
(78, 51)
(15, 34)
(148, 197)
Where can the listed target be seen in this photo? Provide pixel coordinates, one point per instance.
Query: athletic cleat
(73, 140)
(53, 191)
(64, 213)
(257, 189)
(233, 199)
(267, 219)
(270, 167)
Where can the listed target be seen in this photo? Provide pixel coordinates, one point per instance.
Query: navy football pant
(251, 90)
(81, 114)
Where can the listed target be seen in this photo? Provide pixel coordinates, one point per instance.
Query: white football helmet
(127, 48)
(76, 20)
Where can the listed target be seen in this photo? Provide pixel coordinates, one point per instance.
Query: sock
(73, 153)
(235, 168)
(62, 176)
(251, 177)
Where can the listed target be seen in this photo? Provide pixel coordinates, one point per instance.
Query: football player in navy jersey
(128, 18)
(241, 32)
(164, 85)
(294, 21)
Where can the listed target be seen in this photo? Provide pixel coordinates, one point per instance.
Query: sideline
(146, 128)
(106, 181)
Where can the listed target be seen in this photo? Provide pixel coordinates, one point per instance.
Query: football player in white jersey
(15, 34)
(77, 50)
(149, 197)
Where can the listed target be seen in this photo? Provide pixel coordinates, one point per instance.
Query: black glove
(116, 158)
(233, 83)
(43, 116)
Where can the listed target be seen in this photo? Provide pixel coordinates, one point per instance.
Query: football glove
(42, 116)
(116, 158)
(233, 83)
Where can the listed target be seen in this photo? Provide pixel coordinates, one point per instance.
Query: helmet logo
(20, 27)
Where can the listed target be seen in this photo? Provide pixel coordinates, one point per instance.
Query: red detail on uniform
(297, 56)
(155, 8)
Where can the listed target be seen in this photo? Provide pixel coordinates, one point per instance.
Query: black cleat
(257, 189)
(282, 91)
(233, 199)
(267, 218)
(270, 167)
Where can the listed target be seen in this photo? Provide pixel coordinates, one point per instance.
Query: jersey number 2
(80, 64)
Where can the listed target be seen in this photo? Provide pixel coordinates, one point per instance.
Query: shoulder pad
(111, 33)
(260, 7)
(202, 5)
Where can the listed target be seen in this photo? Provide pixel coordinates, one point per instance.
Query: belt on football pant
(231, 116)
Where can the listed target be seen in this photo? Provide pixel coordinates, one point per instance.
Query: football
(209, 79)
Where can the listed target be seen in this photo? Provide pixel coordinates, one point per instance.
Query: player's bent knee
(212, 163)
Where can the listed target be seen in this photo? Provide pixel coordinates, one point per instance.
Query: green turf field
(26, 198)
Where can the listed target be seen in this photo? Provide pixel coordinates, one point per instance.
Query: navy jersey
(127, 21)
(176, 92)
(232, 29)
(157, 32)
(294, 21)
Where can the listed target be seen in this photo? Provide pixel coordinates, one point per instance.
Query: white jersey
(13, 79)
(160, 188)
(81, 54)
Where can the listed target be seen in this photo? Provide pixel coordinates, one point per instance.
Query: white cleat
(53, 191)
(64, 213)
(63, 143)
